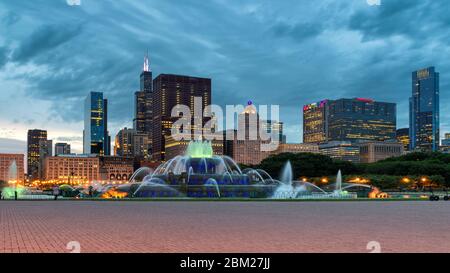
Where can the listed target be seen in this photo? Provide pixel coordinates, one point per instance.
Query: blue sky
(289, 53)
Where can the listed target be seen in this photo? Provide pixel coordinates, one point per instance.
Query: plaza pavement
(132, 226)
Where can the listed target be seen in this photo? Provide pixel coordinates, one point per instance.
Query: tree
(306, 164)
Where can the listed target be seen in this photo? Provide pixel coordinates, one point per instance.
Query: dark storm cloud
(44, 39)
(3, 56)
(300, 32)
(416, 20)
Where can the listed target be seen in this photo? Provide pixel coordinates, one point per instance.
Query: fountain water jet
(213, 182)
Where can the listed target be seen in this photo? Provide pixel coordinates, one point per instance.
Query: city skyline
(237, 76)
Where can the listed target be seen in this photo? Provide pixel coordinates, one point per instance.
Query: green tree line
(435, 166)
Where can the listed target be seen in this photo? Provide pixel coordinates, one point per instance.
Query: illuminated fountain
(290, 189)
(199, 173)
(10, 192)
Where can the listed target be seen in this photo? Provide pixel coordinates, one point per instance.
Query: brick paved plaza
(47, 226)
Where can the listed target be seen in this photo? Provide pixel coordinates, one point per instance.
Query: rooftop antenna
(146, 63)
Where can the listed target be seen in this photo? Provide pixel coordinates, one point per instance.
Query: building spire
(146, 63)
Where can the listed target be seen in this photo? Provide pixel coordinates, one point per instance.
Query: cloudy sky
(289, 53)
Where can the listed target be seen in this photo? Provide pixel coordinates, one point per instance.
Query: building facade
(116, 168)
(45, 150)
(7, 173)
(403, 137)
(72, 169)
(315, 122)
(296, 148)
(353, 120)
(96, 139)
(360, 119)
(274, 129)
(62, 149)
(341, 150)
(445, 143)
(34, 139)
(424, 110)
(171, 90)
(373, 151)
(123, 143)
(446, 140)
(81, 169)
(130, 143)
(247, 145)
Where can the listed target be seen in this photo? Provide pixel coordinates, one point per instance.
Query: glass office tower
(34, 141)
(424, 110)
(96, 139)
(361, 119)
(315, 122)
(349, 120)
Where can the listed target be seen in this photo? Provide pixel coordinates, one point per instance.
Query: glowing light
(365, 100)
(146, 63)
(199, 149)
(113, 193)
(377, 194)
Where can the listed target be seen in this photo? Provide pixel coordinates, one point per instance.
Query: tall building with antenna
(143, 115)
(143, 100)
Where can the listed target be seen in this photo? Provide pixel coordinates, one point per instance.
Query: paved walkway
(48, 226)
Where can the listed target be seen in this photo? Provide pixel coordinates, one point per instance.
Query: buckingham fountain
(201, 174)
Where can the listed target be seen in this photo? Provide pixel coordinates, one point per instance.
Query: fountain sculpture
(199, 173)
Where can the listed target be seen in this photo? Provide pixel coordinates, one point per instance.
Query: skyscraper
(315, 122)
(96, 138)
(446, 140)
(353, 120)
(146, 76)
(274, 128)
(45, 150)
(143, 101)
(62, 149)
(33, 154)
(403, 137)
(361, 119)
(247, 144)
(169, 91)
(424, 110)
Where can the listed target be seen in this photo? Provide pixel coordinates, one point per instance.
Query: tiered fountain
(200, 173)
